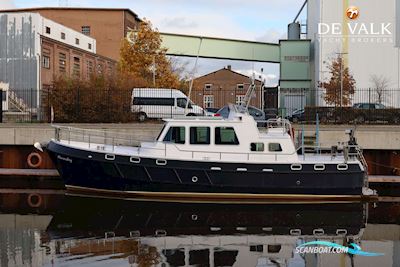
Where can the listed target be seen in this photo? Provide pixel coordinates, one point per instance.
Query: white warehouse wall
(370, 51)
(70, 35)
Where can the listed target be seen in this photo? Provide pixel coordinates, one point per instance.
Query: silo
(294, 31)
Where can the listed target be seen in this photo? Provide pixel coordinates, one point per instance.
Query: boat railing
(97, 138)
(345, 150)
(278, 123)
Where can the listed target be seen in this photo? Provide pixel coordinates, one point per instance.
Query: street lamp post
(341, 77)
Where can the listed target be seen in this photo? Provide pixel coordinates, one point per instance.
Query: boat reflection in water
(199, 234)
(74, 231)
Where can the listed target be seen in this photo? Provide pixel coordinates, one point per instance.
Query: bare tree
(179, 66)
(380, 85)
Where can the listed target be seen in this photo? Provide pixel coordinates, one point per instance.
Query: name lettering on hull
(64, 159)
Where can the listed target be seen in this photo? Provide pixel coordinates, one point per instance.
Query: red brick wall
(224, 88)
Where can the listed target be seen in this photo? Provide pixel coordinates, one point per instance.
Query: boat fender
(34, 160)
(35, 200)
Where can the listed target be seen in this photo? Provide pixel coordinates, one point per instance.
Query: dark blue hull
(88, 169)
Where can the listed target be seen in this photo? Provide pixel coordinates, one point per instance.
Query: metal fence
(364, 106)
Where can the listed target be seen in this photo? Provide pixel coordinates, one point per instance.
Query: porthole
(341, 232)
(318, 231)
(342, 167)
(161, 162)
(134, 159)
(296, 167)
(109, 157)
(295, 232)
(319, 167)
(161, 232)
(195, 179)
(134, 233)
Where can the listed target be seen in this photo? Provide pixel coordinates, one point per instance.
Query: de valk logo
(352, 12)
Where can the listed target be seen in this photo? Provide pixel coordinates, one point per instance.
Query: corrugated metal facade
(397, 24)
(19, 53)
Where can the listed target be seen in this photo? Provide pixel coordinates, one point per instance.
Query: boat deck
(148, 150)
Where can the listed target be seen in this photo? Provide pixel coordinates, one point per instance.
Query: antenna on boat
(244, 105)
(193, 72)
(247, 98)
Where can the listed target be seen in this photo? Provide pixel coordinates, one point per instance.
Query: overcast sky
(256, 20)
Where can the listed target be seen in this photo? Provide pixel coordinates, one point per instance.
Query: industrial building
(368, 41)
(108, 26)
(34, 50)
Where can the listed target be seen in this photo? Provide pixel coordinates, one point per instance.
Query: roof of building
(32, 9)
(228, 69)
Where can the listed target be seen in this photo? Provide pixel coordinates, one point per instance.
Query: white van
(162, 103)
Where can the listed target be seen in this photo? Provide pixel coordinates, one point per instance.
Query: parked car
(256, 113)
(210, 111)
(369, 106)
(160, 103)
(296, 116)
(369, 112)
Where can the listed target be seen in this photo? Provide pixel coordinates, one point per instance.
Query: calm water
(79, 231)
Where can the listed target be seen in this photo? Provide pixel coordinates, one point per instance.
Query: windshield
(181, 102)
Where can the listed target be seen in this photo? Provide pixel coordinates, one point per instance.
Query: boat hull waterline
(84, 170)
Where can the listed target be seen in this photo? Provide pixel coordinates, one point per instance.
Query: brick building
(218, 88)
(108, 26)
(33, 50)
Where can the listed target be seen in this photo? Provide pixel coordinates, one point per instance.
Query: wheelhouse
(236, 134)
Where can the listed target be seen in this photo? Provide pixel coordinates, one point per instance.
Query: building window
(225, 136)
(274, 147)
(240, 86)
(86, 30)
(90, 68)
(77, 41)
(200, 135)
(46, 62)
(100, 68)
(208, 86)
(63, 35)
(259, 147)
(48, 30)
(175, 135)
(62, 62)
(208, 101)
(76, 70)
(240, 99)
(90, 46)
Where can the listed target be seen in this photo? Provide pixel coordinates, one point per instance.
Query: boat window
(200, 135)
(175, 135)
(257, 146)
(225, 136)
(274, 147)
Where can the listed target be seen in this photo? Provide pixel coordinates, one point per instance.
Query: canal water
(58, 230)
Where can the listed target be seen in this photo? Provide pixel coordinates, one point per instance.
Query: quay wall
(377, 137)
